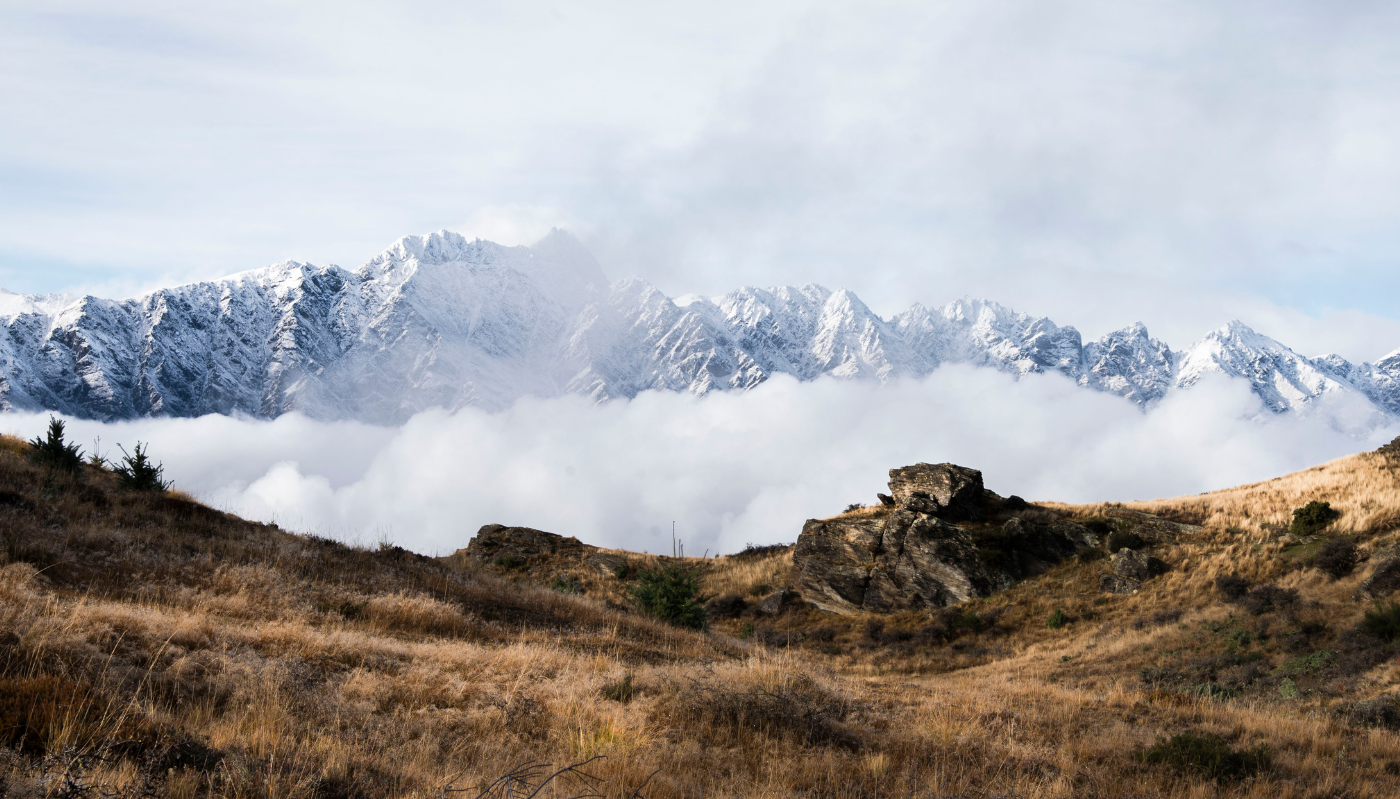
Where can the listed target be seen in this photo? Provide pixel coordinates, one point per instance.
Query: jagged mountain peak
(440, 320)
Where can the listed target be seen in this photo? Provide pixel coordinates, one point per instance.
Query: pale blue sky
(1177, 163)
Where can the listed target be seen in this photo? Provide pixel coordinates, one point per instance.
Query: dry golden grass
(236, 660)
(1364, 487)
(747, 576)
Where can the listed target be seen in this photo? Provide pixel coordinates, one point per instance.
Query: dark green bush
(1099, 527)
(1057, 619)
(510, 561)
(52, 451)
(1207, 755)
(671, 592)
(1312, 517)
(1383, 621)
(137, 472)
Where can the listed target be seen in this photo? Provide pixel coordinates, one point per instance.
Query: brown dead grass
(236, 660)
(1365, 487)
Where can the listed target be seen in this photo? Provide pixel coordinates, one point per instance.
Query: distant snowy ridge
(443, 321)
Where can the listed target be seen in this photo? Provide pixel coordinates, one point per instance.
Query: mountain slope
(441, 321)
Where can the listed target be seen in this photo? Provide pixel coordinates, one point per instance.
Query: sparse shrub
(854, 506)
(1207, 755)
(746, 630)
(507, 561)
(1210, 690)
(566, 584)
(416, 613)
(726, 606)
(760, 589)
(753, 551)
(823, 634)
(1057, 619)
(30, 708)
(1312, 517)
(1338, 558)
(348, 610)
(1232, 587)
(621, 691)
(799, 711)
(1157, 619)
(1267, 598)
(137, 472)
(1383, 712)
(625, 570)
(1124, 539)
(52, 451)
(1099, 527)
(671, 592)
(874, 630)
(1383, 621)
(1309, 664)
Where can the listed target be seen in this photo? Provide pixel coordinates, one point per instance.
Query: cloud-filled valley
(729, 468)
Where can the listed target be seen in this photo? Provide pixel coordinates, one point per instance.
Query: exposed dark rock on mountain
(518, 546)
(1131, 569)
(908, 554)
(1384, 578)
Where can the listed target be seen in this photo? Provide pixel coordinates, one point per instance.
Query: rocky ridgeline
(937, 539)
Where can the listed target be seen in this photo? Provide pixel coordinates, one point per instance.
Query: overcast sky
(1176, 163)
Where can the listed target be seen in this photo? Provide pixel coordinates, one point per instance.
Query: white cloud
(731, 468)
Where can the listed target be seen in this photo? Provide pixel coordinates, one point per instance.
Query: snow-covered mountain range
(443, 321)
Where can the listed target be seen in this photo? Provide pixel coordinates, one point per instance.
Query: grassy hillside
(152, 646)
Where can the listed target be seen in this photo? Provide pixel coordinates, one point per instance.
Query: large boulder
(520, 546)
(937, 488)
(912, 556)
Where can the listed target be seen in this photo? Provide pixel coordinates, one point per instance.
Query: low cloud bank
(730, 468)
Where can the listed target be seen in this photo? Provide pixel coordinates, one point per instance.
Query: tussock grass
(178, 651)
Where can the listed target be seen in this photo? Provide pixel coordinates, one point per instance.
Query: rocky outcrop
(910, 555)
(507, 546)
(1384, 578)
(1131, 569)
(941, 489)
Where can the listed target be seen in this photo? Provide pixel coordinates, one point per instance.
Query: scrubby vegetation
(1313, 517)
(670, 592)
(150, 645)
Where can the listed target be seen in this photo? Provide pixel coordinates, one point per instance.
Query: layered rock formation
(909, 555)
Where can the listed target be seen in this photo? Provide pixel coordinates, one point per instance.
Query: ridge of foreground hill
(152, 646)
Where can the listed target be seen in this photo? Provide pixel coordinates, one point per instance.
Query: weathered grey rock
(774, 603)
(1113, 584)
(924, 562)
(914, 557)
(940, 488)
(1130, 570)
(1131, 564)
(1383, 580)
(886, 500)
(833, 560)
(607, 564)
(494, 542)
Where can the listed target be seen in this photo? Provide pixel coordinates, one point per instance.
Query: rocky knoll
(909, 554)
